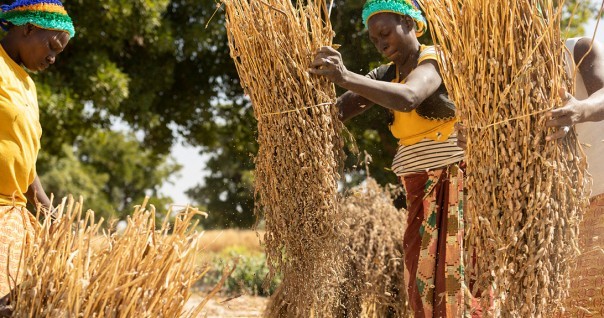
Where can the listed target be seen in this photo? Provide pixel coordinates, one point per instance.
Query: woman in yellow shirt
(37, 31)
(428, 159)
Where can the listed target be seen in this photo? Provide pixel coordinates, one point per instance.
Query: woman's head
(408, 8)
(38, 47)
(394, 26)
(41, 28)
(393, 36)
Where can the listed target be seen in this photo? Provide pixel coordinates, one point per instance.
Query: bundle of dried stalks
(69, 270)
(300, 147)
(375, 284)
(503, 67)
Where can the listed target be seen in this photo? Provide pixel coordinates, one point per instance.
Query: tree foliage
(110, 170)
(575, 14)
(163, 68)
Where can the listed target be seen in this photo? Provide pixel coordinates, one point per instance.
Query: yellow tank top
(409, 127)
(20, 131)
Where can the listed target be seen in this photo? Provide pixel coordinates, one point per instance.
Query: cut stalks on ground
(70, 269)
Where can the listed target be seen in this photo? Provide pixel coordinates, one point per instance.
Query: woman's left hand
(462, 138)
(328, 62)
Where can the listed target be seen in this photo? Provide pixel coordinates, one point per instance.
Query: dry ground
(217, 240)
(221, 307)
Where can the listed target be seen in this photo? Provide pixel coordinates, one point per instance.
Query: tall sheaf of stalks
(503, 64)
(70, 270)
(300, 148)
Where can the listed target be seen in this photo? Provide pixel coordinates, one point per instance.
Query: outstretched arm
(591, 67)
(423, 81)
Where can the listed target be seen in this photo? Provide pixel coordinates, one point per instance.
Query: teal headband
(402, 7)
(45, 14)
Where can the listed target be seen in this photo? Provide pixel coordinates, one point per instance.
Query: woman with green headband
(37, 31)
(427, 161)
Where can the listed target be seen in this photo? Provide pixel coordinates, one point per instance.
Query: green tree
(67, 175)
(575, 15)
(112, 171)
(227, 193)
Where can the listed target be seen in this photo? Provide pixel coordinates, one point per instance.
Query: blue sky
(194, 168)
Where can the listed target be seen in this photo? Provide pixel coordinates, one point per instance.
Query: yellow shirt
(20, 131)
(409, 127)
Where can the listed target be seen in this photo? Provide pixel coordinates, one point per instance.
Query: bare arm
(352, 104)
(592, 71)
(591, 109)
(423, 81)
(36, 194)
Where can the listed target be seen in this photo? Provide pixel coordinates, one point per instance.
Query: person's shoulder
(427, 52)
(586, 45)
(427, 49)
(570, 42)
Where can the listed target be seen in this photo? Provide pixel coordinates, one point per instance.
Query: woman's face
(393, 36)
(41, 47)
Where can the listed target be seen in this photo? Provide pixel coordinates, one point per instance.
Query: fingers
(461, 136)
(328, 50)
(564, 95)
(561, 117)
(326, 57)
(462, 144)
(328, 62)
(322, 66)
(559, 112)
(562, 111)
(559, 121)
(320, 71)
(320, 61)
(462, 141)
(325, 66)
(560, 133)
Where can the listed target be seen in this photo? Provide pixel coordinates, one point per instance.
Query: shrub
(249, 276)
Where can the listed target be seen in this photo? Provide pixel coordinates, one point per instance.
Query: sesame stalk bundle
(503, 64)
(300, 148)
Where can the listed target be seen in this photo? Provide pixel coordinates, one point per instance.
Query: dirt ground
(221, 307)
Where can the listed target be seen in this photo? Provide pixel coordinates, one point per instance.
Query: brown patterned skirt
(433, 242)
